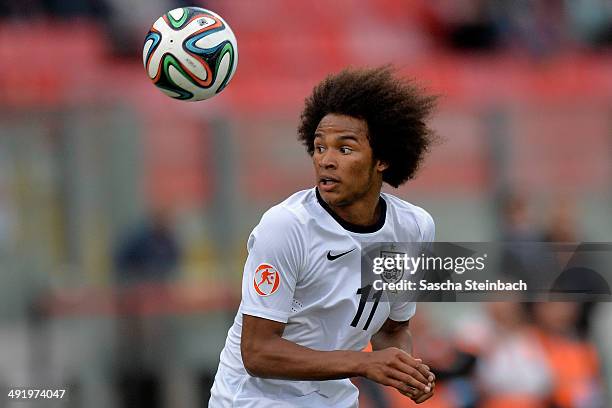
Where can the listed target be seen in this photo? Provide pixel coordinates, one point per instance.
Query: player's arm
(266, 354)
(393, 334)
(397, 334)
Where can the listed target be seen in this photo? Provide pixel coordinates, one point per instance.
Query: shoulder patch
(266, 280)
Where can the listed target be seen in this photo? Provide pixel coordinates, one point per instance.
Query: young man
(301, 328)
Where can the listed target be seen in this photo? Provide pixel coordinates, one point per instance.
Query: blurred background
(124, 214)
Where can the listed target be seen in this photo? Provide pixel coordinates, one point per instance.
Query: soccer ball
(190, 53)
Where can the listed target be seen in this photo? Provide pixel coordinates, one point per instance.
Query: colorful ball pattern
(190, 53)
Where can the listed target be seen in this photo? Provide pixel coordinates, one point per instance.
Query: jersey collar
(360, 229)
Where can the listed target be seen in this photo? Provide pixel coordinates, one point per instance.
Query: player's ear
(381, 165)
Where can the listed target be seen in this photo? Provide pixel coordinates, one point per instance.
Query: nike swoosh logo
(331, 257)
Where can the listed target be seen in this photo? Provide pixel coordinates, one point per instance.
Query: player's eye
(319, 148)
(346, 150)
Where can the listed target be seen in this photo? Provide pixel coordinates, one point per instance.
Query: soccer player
(303, 322)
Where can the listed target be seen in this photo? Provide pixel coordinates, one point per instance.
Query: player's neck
(364, 215)
(364, 212)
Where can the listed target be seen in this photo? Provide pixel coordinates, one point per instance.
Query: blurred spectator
(602, 327)
(556, 318)
(574, 363)
(513, 369)
(146, 260)
(151, 253)
(561, 228)
(517, 222)
(463, 25)
(520, 260)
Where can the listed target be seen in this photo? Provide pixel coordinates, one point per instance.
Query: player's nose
(328, 160)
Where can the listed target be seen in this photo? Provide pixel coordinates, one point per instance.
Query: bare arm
(393, 334)
(266, 354)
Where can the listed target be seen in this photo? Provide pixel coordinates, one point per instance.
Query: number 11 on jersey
(365, 293)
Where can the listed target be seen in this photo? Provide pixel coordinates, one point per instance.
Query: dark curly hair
(394, 109)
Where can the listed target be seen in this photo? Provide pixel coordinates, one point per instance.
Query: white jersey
(303, 269)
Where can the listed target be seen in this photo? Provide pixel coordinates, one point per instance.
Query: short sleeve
(428, 228)
(402, 311)
(276, 254)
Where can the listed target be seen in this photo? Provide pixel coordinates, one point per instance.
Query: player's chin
(332, 196)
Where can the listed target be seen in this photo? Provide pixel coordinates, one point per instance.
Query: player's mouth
(328, 183)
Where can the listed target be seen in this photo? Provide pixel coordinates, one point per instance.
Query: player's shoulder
(290, 213)
(406, 212)
(404, 207)
(282, 227)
